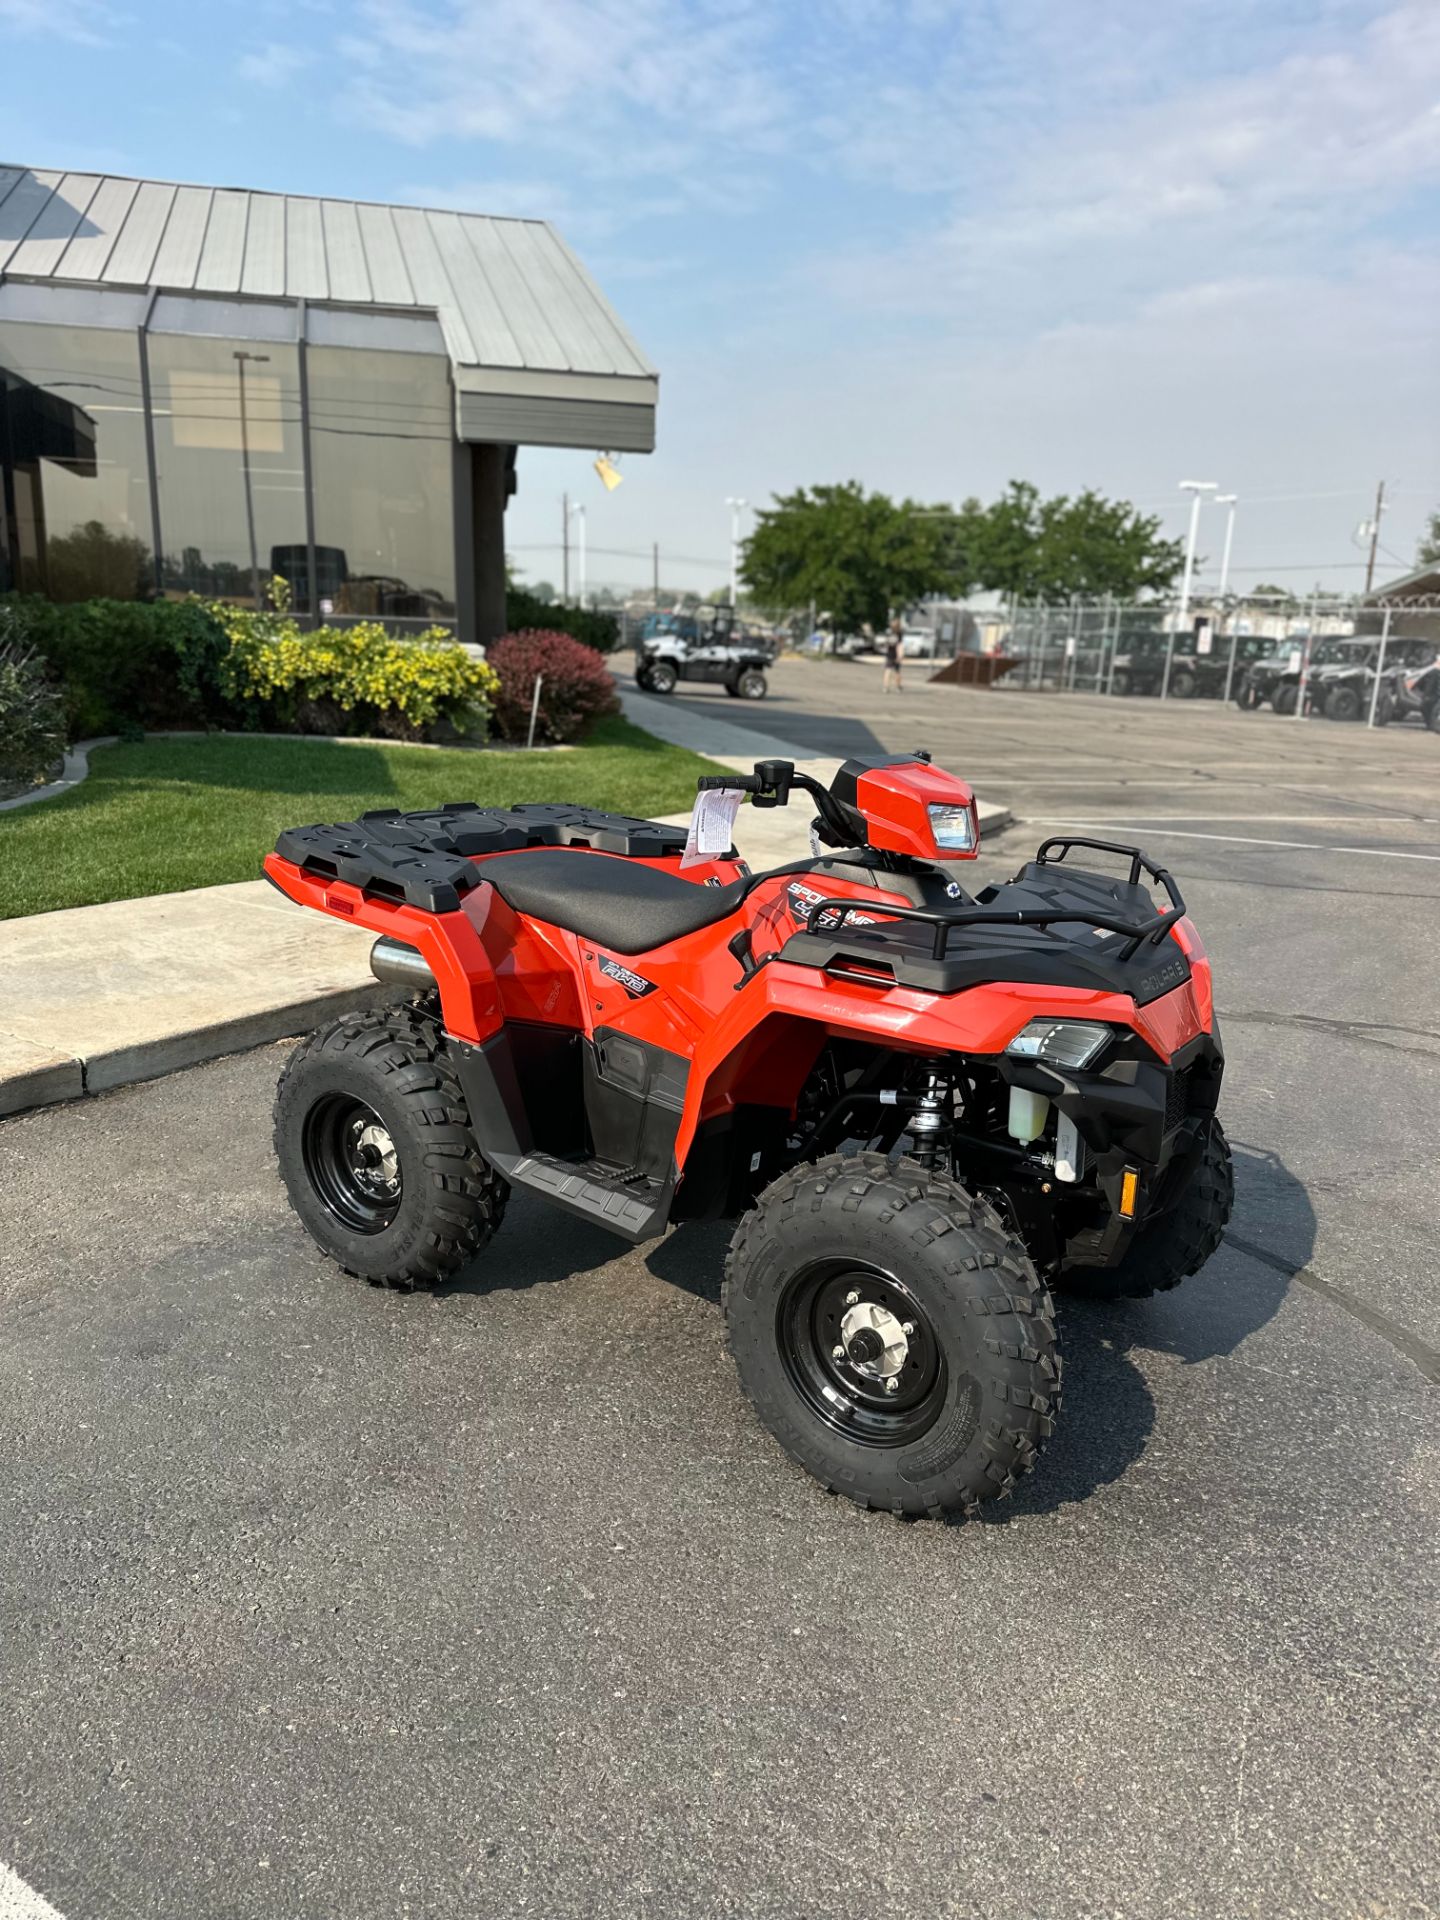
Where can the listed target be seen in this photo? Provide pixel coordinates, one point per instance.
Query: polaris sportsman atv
(924, 1107)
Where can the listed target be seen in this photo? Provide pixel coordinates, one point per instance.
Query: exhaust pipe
(398, 965)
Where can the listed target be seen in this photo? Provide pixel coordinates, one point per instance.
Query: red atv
(925, 1107)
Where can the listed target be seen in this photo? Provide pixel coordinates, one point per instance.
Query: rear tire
(1178, 1243)
(979, 1369)
(1247, 699)
(378, 1088)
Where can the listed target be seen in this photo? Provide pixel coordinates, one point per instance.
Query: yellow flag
(608, 472)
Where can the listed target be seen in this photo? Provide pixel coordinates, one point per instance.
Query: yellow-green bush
(352, 679)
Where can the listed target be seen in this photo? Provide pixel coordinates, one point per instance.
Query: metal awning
(538, 354)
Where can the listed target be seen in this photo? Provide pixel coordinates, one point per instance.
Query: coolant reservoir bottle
(1028, 1113)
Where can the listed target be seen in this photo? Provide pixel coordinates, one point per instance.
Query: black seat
(618, 903)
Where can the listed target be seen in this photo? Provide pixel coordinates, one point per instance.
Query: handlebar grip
(736, 782)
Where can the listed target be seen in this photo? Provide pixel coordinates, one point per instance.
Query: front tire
(1286, 699)
(663, 678)
(1182, 685)
(1342, 703)
(1177, 1243)
(376, 1151)
(752, 684)
(855, 1271)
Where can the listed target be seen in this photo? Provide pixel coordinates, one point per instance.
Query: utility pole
(1375, 538)
(565, 546)
(655, 578)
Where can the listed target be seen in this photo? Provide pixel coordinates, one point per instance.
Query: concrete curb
(69, 1078)
(76, 768)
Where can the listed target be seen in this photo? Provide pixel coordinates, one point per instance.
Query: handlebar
(770, 785)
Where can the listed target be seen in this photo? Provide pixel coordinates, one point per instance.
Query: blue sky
(930, 244)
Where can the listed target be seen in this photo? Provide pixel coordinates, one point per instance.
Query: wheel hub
(875, 1342)
(373, 1159)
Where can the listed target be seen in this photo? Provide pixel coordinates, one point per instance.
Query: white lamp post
(576, 509)
(737, 507)
(1228, 501)
(1196, 489)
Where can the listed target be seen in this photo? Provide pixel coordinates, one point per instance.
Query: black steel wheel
(1342, 703)
(663, 677)
(891, 1334)
(861, 1351)
(376, 1151)
(1286, 699)
(351, 1161)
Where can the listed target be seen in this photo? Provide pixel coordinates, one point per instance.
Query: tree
(856, 555)
(1428, 551)
(1061, 546)
(1267, 590)
(93, 563)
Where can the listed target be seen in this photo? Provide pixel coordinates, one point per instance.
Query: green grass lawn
(163, 814)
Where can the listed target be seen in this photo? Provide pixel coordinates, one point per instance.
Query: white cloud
(85, 22)
(274, 65)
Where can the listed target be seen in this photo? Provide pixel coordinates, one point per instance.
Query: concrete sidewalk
(96, 997)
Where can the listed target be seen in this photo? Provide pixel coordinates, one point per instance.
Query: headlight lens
(1060, 1043)
(953, 828)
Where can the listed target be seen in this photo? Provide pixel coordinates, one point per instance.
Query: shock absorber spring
(930, 1121)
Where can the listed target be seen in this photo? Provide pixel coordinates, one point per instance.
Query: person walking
(894, 656)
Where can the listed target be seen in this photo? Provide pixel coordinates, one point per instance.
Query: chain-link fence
(1287, 653)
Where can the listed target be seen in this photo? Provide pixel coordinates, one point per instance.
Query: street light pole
(579, 512)
(1195, 488)
(263, 359)
(737, 507)
(1228, 500)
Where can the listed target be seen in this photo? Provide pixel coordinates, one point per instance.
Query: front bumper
(1134, 1114)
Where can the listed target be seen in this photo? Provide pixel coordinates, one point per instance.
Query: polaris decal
(634, 984)
(804, 900)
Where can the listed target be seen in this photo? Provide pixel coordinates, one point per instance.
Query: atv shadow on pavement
(1109, 1412)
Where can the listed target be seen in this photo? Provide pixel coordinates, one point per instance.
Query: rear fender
(449, 943)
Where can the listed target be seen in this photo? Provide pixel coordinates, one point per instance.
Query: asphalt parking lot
(319, 1601)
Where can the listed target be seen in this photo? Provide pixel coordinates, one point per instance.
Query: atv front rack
(835, 911)
(848, 939)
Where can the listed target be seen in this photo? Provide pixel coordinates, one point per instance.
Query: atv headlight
(953, 828)
(1059, 1043)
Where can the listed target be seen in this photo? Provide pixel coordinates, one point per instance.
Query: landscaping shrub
(125, 665)
(351, 679)
(32, 718)
(577, 688)
(525, 614)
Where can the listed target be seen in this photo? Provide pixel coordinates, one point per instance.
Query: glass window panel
(381, 439)
(231, 473)
(74, 487)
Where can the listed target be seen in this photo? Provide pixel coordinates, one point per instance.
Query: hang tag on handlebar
(712, 825)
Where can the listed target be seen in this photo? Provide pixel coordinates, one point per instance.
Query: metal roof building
(531, 351)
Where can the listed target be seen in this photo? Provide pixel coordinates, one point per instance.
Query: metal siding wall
(557, 423)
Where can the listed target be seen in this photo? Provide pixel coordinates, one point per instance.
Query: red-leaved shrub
(576, 688)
